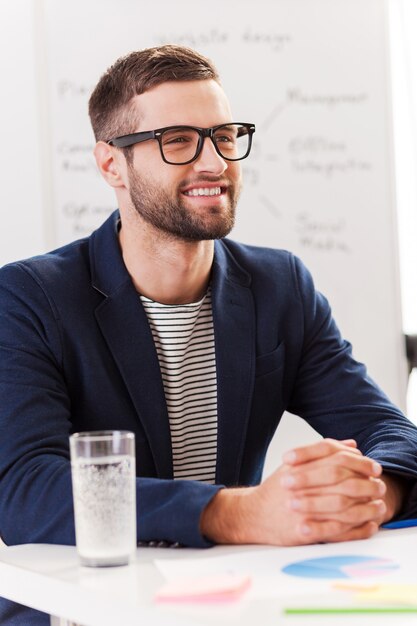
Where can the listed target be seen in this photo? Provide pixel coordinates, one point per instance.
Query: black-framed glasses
(180, 145)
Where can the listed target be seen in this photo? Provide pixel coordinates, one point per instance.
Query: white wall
(19, 136)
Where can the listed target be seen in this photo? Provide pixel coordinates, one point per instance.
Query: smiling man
(159, 324)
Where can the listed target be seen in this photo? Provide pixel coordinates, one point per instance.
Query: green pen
(348, 610)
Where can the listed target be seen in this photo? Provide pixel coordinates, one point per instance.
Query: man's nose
(209, 160)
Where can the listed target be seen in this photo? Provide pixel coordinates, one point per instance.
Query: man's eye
(176, 139)
(225, 139)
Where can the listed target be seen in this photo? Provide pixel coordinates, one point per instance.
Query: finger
(358, 489)
(330, 471)
(338, 506)
(351, 443)
(355, 515)
(365, 531)
(321, 504)
(318, 450)
(333, 530)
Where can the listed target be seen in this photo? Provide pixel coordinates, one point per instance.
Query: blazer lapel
(234, 330)
(125, 328)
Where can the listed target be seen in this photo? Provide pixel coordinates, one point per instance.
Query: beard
(172, 216)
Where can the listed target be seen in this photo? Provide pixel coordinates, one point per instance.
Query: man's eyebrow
(227, 126)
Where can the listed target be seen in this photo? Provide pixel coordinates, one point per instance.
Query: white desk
(49, 578)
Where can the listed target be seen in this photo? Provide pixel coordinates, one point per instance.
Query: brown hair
(132, 75)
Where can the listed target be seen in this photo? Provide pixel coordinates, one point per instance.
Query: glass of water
(104, 493)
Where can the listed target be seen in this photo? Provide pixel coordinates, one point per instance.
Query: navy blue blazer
(76, 353)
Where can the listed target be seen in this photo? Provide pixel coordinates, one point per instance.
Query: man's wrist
(224, 519)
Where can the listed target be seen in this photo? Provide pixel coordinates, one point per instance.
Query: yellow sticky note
(395, 593)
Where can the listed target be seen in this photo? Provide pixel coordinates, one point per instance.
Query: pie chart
(348, 566)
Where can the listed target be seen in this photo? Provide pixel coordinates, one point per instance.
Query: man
(197, 344)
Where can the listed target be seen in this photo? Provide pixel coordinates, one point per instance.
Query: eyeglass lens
(181, 144)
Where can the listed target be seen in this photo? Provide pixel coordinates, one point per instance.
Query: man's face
(192, 202)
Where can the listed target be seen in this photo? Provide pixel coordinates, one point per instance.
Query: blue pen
(404, 523)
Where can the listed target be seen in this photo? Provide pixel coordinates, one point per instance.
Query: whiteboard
(313, 75)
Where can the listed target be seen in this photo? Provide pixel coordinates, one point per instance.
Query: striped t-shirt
(184, 341)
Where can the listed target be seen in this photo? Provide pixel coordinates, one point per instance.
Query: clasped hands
(331, 492)
(324, 492)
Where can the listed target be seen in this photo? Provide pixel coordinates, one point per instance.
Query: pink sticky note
(218, 588)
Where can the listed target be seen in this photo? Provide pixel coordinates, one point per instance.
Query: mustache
(205, 179)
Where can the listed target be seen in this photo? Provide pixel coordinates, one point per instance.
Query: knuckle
(379, 486)
(307, 505)
(327, 445)
(367, 464)
(367, 512)
(352, 487)
(352, 515)
(348, 459)
(380, 506)
(330, 528)
(365, 531)
(369, 530)
(361, 513)
(343, 456)
(336, 473)
(360, 487)
(342, 502)
(335, 527)
(372, 490)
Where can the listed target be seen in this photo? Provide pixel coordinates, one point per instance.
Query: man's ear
(109, 162)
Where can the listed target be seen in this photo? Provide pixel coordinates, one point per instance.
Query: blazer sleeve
(335, 395)
(35, 424)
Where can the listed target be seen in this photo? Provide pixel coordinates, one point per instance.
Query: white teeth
(204, 191)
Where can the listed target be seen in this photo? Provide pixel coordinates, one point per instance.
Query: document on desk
(371, 570)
